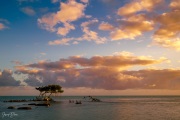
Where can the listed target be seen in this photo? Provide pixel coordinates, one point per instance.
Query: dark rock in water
(24, 108)
(95, 100)
(11, 107)
(16, 101)
(78, 102)
(32, 104)
(43, 104)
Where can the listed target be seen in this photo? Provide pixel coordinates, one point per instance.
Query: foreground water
(111, 108)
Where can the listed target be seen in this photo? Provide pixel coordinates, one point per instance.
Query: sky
(90, 47)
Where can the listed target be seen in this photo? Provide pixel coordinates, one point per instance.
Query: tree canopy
(49, 89)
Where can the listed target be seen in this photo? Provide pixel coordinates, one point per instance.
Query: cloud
(85, 1)
(54, 1)
(16, 62)
(158, 79)
(108, 79)
(106, 26)
(43, 53)
(89, 35)
(167, 35)
(69, 12)
(3, 23)
(2, 26)
(175, 4)
(78, 71)
(65, 30)
(28, 10)
(6, 78)
(137, 17)
(25, 1)
(100, 72)
(63, 41)
(138, 5)
(119, 60)
(132, 27)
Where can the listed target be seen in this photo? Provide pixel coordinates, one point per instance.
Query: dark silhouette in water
(92, 99)
(49, 89)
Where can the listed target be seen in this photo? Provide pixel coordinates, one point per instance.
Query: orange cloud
(175, 4)
(137, 17)
(138, 5)
(89, 34)
(64, 41)
(168, 33)
(109, 79)
(130, 8)
(100, 72)
(132, 27)
(69, 12)
(25, 70)
(65, 30)
(119, 60)
(105, 26)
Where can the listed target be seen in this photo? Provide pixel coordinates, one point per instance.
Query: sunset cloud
(2, 26)
(85, 1)
(65, 30)
(25, 70)
(28, 10)
(101, 72)
(77, 71)
(132, 27)
(106, 26)
(108, 79)
(175, 4)
(69, 12)
(137, 17)
(6, 78)
(138, 5)
(54, 1)
(90, 35)
(169, 31)
(63, 41)
(115, 61)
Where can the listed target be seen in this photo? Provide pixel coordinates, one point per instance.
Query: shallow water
(111, 108)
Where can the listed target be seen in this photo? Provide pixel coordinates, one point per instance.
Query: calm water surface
(111, 108)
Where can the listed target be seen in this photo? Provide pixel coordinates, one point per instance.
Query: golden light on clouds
(69, 12)
(94, 30)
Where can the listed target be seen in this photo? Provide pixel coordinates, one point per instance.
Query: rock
(95, 100)
(32, 104)
(11, 107)
(78, 102)
(43, 104)
(24, 108)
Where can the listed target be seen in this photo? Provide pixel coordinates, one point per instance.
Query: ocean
(111, 108)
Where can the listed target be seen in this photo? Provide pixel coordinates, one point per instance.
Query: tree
(49, 89)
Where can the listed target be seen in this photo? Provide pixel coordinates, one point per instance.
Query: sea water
(111, 108)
